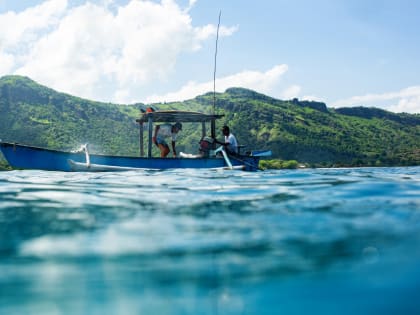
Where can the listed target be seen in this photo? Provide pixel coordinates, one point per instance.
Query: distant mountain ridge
(306, 131)
(373, 112)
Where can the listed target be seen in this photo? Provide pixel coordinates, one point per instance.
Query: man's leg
(164, 150)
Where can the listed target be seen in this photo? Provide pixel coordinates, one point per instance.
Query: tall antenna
(215, 60)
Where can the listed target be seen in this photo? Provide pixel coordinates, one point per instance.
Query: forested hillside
(308, 132)
(35, 115)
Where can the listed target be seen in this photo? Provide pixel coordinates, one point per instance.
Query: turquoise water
(324, 241)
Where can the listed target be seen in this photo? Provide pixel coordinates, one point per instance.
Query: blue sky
(345, 53)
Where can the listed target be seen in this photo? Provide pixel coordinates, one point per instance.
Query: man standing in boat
(165, 131)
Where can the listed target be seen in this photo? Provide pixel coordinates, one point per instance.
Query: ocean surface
(311, 241)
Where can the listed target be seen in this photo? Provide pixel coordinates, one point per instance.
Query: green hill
(35, 115)
(308, 132)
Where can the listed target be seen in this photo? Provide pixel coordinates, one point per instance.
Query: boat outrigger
(28, 157)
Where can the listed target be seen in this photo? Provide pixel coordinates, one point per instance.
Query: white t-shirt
(165, 130)
(233, 144)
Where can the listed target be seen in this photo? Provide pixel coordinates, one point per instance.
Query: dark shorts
(161, 141)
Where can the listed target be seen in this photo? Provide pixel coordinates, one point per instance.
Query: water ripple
(177, 227)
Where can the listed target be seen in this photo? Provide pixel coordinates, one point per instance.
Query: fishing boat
(21, 156)
(207, 156)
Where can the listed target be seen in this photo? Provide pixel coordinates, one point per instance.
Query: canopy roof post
(203, 129)
(141, 140)
(213, 132)
(150, 123)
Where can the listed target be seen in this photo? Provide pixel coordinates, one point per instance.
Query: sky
(341, 52)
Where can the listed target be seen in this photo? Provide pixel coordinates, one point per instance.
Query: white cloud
(313, 98)
(99, 52)
(209, 30)
(407, 105)
(263, 82)
(191, 3)
(406, 100)
(21, 29)
(7, 62)
(291, 92)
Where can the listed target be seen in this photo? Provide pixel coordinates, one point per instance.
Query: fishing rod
(215, 64)
(213, 121)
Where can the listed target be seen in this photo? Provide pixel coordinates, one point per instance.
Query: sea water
(311, 241)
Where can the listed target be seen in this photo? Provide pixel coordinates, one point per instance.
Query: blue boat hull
(28, 157)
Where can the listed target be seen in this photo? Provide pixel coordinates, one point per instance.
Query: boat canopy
(177, 116)
(171, 116)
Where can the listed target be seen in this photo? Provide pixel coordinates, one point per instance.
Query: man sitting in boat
(165, 131)
(230, 144)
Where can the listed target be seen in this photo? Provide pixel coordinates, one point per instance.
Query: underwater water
(312, 241)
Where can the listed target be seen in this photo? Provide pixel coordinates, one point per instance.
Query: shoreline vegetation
(279, 164)
(3, 165)
(293, 164)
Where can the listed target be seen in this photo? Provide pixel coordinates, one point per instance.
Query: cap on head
(178, 125)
